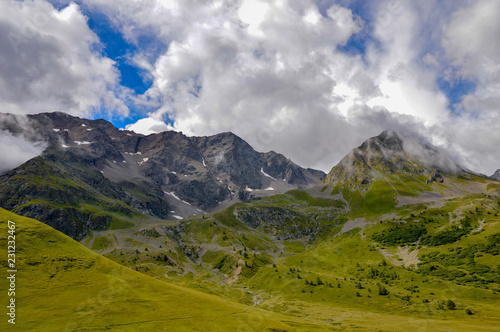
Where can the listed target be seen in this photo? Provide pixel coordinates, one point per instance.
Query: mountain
(390, 153)
(94, 176)
(392, 169)
(496, 175)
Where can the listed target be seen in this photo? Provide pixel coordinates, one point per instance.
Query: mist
(16, 150)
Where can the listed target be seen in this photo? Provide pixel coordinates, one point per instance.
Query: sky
(308, 79)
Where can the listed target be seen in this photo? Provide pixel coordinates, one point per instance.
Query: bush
(450, 305)
(382, 290)
(469, 312)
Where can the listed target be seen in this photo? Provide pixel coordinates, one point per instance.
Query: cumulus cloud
(148, 126)
(50, 61)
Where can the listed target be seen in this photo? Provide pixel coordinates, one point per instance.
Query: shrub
(382, 290)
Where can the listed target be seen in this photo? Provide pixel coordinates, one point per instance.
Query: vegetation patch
(400, 235)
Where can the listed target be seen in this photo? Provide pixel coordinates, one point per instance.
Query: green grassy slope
(333, 275)
(63, 286)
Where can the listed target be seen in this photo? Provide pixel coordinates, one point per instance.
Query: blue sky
(283, 75)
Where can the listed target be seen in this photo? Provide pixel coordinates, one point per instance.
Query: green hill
(63, 286)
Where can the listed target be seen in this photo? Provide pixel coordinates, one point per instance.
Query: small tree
(450, 305)
(382, 290)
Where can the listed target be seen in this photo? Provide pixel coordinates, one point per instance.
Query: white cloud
(148, 126)
(50, 62)
(16, 150)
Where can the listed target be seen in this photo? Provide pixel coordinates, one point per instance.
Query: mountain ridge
(165, 175)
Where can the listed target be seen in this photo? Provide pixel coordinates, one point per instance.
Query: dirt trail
(237, 272)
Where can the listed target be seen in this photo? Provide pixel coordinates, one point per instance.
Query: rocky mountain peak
(388, 140)
(390, 153)
(496, 175)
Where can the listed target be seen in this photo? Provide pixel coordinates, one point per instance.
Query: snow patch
(90, 129)
(177, 217)
(143, 160)
(83, 125)
(203, 161)
(83, 143)
(65, 146)
(265, 174)
(176, 197)
(269, 188)
(249, 189)
(56, 130)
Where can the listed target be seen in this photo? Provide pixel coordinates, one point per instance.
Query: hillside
(62, 286)
(305, 257)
